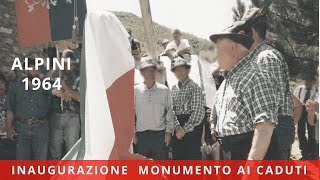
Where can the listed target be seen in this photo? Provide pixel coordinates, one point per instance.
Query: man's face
(181, 73)
(136, 55)
(177, 36)
(7, 73)
(3, 87)
(33, 73)
(149, 74)
(224, 51)
(309, 83)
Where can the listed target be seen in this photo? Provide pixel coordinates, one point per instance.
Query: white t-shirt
(184, 43)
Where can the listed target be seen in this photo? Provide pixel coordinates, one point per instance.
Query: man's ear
(254, 33)
(189, 69)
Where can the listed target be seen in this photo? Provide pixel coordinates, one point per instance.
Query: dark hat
(146, 62)
(179, 62)
(234, 33)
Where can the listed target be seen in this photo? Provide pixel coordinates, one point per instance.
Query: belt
(34, 121)
(59, 111)
(151, 131)
(235, 138)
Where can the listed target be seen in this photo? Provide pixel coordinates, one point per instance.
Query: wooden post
(148, 28)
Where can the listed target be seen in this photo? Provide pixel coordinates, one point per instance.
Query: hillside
(134, 22)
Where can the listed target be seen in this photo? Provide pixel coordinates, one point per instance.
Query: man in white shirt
(178, 45)
(307, 92)
(154, 115)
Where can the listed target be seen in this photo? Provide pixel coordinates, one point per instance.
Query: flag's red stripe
(33, 27)
(121, 102)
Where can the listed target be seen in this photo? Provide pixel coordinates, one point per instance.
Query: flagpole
(148, 28)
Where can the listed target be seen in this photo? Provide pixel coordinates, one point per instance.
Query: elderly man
(154, 115)
(178, 46)
(188, 106)
(271, 60)
(244, 114)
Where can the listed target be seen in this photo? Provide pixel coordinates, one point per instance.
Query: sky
(199, 17)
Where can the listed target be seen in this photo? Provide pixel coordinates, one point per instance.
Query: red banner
(149, 170)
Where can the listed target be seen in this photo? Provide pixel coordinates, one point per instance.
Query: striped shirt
(271, 60)
(246, 97)
(188, 98)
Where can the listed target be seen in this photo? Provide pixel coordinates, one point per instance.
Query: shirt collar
(237, 66)
(258, 47)
(153, 88)
(184, 83)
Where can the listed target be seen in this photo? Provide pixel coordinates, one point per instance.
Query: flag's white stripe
(107, 58)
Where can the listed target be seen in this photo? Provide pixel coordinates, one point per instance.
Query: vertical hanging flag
(107, 102)
(41, 23)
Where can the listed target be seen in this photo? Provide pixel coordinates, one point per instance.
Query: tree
(238, 10)
(293, 27)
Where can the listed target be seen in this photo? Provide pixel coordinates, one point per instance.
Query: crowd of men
(254, 113)
(39, 124)
(253, 117)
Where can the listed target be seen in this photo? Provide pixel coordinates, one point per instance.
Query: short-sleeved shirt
(246, 97)
(74, 82)
(153, 108)
(301, 91)
(27, 103)
(188, 98)
(184, 43)
(271, 60)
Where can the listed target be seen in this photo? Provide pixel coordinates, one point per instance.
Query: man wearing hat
(271, 60)
(164, 45)
(154, 115)
(188, 106)
(244, 112)
(65, 110)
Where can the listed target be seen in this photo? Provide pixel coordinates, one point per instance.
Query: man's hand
(180, 133)
(176, 54)
(57, 92)
(167, 138)
(135, 140)
(11, 133)
(207, 149)
(311, 107)
(66, 96)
